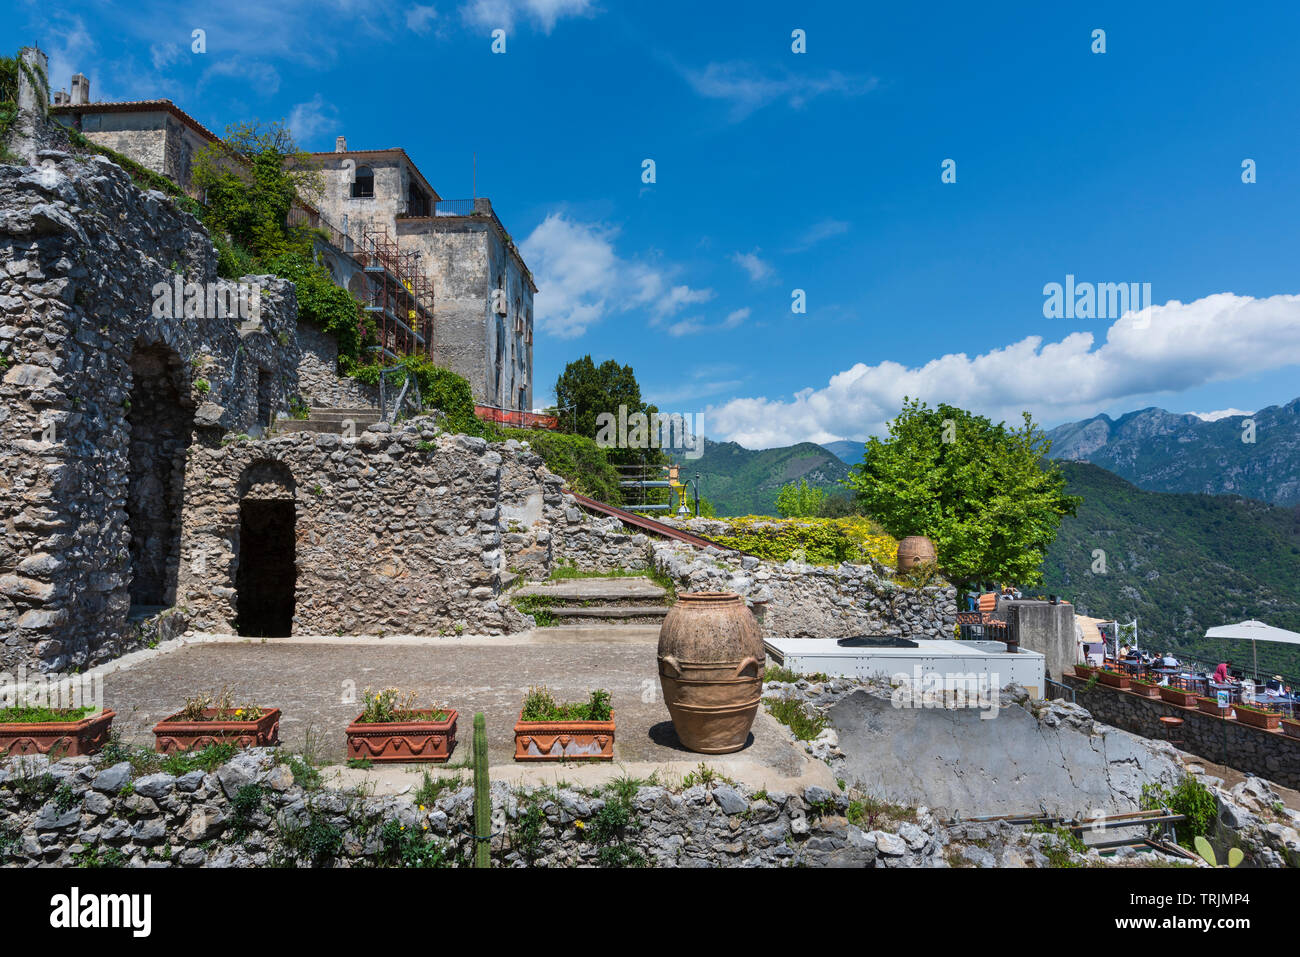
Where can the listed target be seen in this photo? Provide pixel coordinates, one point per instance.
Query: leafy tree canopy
(800, 500)
(592, 390)
(984, 493)
(250, 179)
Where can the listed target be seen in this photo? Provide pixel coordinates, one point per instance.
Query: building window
(364, 183)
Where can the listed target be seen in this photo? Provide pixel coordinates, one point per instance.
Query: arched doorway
(160, 420)
(266, 572)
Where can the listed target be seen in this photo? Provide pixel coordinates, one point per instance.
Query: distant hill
(846, 450)
(1167, 452)
(1179, 563)
(741, 481)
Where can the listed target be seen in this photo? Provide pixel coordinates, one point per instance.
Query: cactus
(1203, 848)
(482, 796)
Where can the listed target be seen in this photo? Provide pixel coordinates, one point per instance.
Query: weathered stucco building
(482, 289)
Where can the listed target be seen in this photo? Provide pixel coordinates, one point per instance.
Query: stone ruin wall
(396, 532)
(98, 396)
(318, 380)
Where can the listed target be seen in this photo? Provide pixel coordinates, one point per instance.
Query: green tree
(799, 500)
(984, 493)
(250, 179)
(585, 391)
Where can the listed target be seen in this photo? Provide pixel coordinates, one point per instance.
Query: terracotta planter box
(1291, 728)
(1084, 671)
(1184, 699)
(1211, 706)
(403, 740)
(564, 740)
(1266, 720)
(1113, 679)
(66, 738)
(176, 734)
(1144, 691)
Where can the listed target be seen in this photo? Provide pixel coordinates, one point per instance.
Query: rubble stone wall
(91, 368)
(396, 532)
(1269, 754)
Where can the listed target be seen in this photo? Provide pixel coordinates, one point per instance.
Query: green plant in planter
(540, 705)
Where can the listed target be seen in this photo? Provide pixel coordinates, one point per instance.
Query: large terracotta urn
(711, 669)
(915, 550)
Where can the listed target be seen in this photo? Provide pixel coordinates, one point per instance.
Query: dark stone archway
(266, 573)
(160, 418)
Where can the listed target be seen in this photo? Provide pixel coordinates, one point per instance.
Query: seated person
(1273, 685)
(1168, 661)
(1221, 673)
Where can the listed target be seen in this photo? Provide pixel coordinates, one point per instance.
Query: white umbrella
(1255, 631)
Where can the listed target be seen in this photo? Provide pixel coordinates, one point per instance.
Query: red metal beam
(648, 524)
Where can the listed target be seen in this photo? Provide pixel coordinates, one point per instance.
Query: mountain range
(1179, 563)
(741, 481)
(1255, 455)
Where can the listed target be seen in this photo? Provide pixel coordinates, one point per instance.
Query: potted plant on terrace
(1211, 706)
(1143, 688)
(549, 731)
(1184, 699)
(36, 729)
(1257, 717)
(1084, 671)
(1291, 727)
(1113, 679)
(393, 729)
(207, 719)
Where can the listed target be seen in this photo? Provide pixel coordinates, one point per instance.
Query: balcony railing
(456, 207)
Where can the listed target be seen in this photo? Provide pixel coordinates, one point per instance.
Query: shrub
(817, 541)
(579, 460)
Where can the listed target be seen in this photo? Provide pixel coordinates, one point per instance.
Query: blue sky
(818, 171)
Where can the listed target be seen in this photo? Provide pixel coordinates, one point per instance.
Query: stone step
(331, 413)
(607, 611)
(611, 591)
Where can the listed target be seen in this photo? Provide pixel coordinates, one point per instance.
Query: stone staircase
(593, 601)
(329, 420)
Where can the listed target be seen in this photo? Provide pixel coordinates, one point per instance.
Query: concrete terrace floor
(307, 678)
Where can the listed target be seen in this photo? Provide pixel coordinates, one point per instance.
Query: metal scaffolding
(401, 295)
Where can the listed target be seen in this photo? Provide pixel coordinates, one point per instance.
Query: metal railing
(454, 207)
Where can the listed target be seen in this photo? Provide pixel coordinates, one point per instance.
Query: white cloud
(747, 88)
(163, 55)
(691, 326)
(581, 279)
(818, 232)
(1220, 414)
(309, 120)
(492, 14)
(757, 268)
(1167, 348)
(257, 74)
(420, 17)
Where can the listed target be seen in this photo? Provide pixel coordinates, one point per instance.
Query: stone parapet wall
(1268, 754)
(397, 532)
(813, 601)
